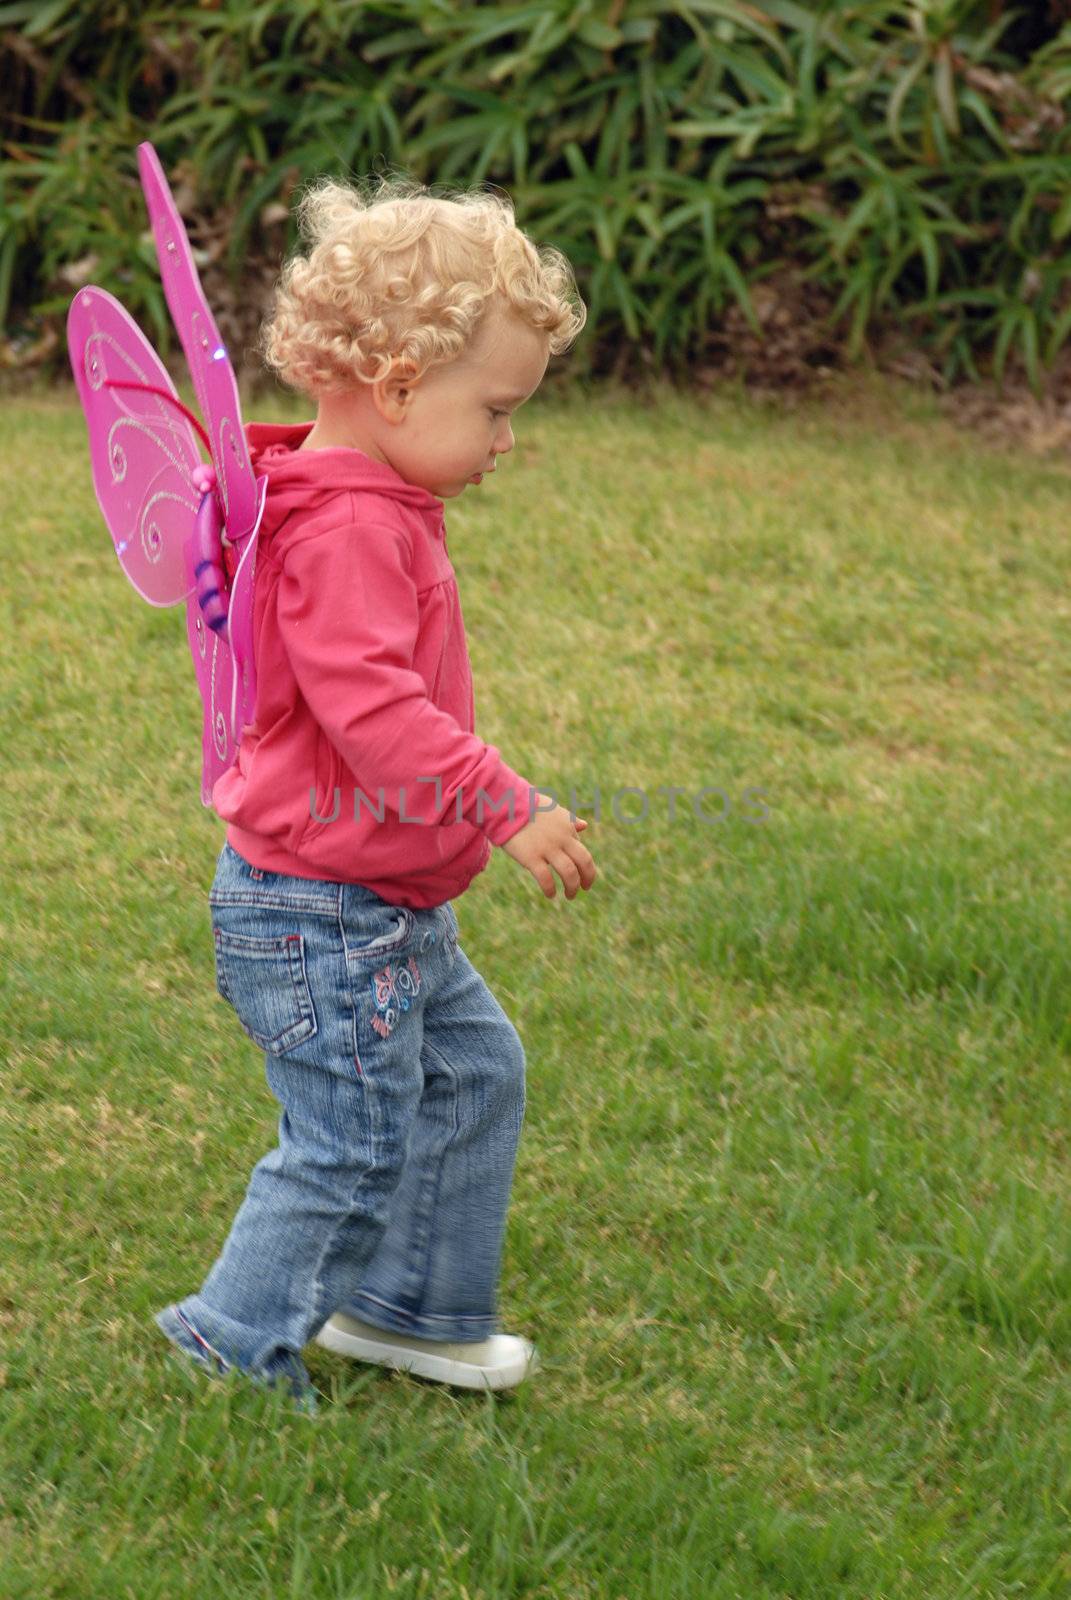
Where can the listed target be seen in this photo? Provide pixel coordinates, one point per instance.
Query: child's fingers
(567, 870)
(581, 860)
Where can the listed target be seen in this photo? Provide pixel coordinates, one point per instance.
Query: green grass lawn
(791, 1221)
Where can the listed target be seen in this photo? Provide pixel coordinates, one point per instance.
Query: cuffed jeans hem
(452, 1330)
(285, 1368)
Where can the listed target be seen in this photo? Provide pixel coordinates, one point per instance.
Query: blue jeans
(402, 1086)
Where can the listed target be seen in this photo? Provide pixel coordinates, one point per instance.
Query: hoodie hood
(310, 478)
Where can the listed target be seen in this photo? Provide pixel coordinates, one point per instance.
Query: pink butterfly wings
(149, 479)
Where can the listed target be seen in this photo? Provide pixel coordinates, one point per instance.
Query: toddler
(363, 803)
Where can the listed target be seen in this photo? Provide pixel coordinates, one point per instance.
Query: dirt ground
(1010, 416)
(798, 354)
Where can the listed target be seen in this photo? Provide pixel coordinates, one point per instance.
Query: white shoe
(500, 1362)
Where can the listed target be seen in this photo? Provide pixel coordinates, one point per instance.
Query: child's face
(452, 423)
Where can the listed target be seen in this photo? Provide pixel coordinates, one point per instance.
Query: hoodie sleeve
(348, 616)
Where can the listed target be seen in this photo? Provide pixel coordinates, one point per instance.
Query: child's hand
(551, 841)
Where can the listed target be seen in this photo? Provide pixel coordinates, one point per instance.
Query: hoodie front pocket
(325, 794)
(265, 981)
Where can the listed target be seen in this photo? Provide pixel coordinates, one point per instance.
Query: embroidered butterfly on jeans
(393, 987)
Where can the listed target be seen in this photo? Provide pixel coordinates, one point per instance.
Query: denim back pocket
(265, 981)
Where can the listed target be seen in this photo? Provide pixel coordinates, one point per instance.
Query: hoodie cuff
(504, 805)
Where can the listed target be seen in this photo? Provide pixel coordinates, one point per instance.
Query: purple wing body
(224, 665)
(171, 517)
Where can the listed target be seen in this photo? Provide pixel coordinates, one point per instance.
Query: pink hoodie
(363, 685)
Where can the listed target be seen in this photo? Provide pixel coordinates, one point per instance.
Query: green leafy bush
(907, 160)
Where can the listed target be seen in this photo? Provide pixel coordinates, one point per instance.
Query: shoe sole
(512, 1370)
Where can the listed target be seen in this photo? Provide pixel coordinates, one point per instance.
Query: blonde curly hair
(401, 275)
